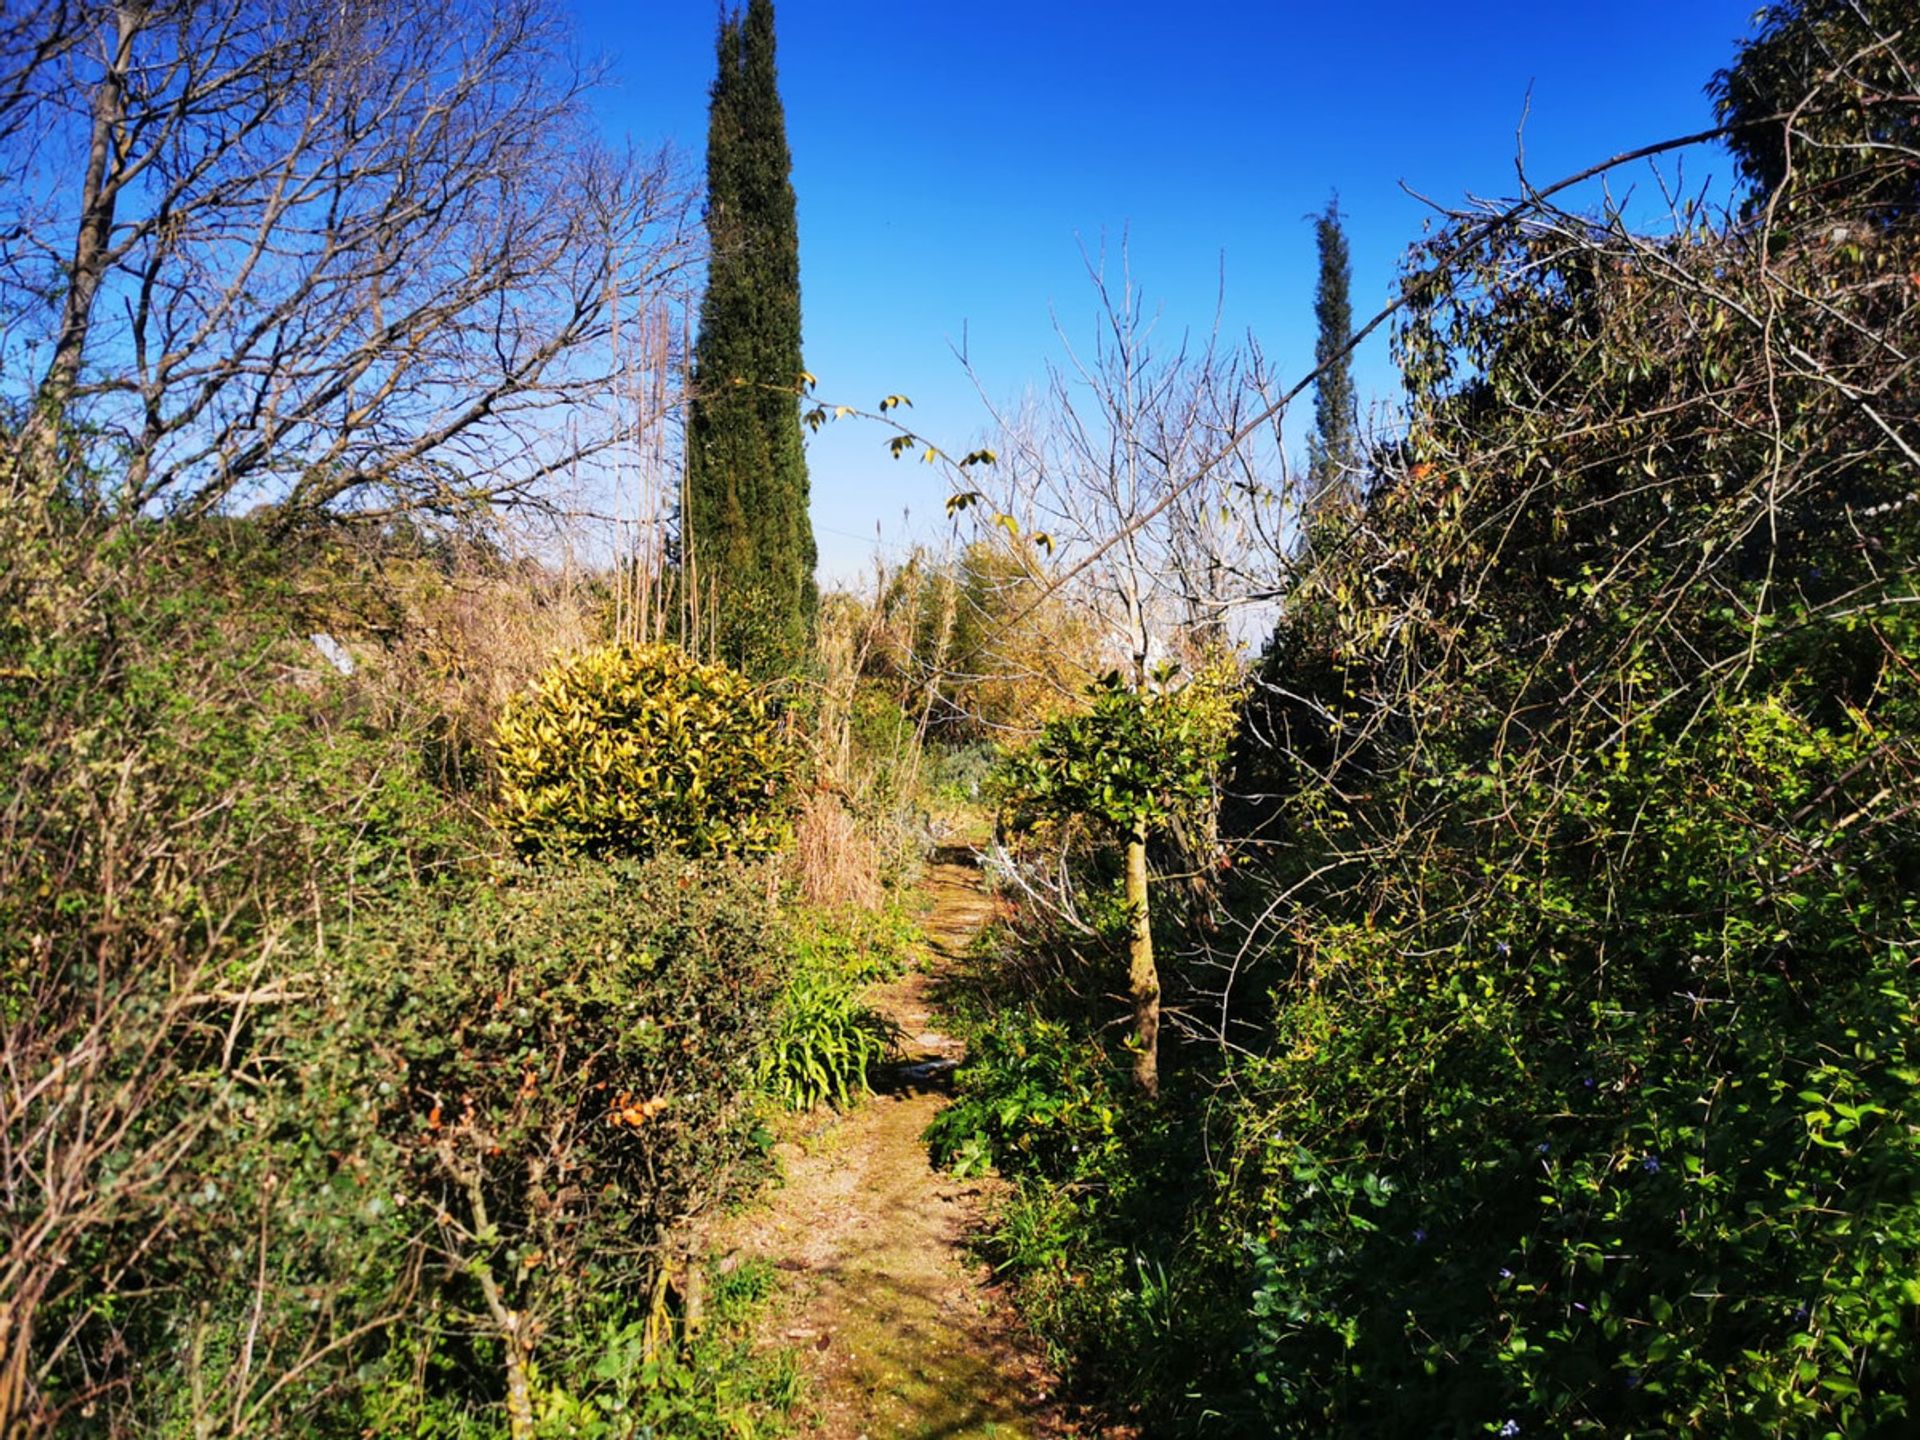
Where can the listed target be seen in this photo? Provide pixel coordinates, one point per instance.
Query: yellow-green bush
(642, 749)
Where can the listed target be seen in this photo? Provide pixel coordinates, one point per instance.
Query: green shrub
(506, 1101)
(1032, 1096)
(866, 946)
(578, 1051)
(1640, 1151)
(959, 774)
(628, 750)
(718, 1384)
(825, 1041)
(183, 785)
(520, 1091)
(634, 1376)
(1092, 1225)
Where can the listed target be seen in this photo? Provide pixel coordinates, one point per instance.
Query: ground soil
(903, 1334)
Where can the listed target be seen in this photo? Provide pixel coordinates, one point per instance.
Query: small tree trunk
(519, 1382)
(693, 1295)
(515, 1326)
(1142, 975)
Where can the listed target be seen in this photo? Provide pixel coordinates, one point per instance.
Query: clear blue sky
(951, 159)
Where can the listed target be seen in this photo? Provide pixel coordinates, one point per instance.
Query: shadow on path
(903, 1335)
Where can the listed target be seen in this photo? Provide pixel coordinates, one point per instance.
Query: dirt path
(903, 1336)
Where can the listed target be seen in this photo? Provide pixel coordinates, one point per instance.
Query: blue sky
(951, 161)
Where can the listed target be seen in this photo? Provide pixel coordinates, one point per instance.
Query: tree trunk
(100, 191)
(515, 1326)
(519, 1380)
(1143, 977)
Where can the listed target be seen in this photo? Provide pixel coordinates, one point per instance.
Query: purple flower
(1651, 1164)
(1512, 1427)
(1420, 1237)
(1505, 1274)
(1504, 948)
(1544, 1147)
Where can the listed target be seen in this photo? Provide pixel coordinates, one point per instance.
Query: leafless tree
(319, 253)
(1148, 478)
(1117, 474)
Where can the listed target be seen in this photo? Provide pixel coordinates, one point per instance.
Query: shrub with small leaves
(642, 749)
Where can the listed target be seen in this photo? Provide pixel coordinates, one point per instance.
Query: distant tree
(1331, 452)
(747, 539)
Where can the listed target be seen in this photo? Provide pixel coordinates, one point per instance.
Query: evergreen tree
(1332, 451)
(747, 537)
(1834, 67)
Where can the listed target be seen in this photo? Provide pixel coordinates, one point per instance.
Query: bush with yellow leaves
(641, 749)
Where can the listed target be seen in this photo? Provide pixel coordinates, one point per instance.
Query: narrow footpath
(902, 1334)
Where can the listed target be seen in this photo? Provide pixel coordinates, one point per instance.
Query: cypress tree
(746, 534)
(1332, 450)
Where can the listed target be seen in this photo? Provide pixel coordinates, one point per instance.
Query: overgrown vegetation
(329, 1115)
(1547, 1060)
(399, 965)
(393, 963)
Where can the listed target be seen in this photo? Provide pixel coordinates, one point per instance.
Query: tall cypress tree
(1333, 450)
(746, 535)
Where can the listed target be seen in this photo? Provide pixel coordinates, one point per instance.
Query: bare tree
(1118, 475)
(313, 253)
(1147, 475)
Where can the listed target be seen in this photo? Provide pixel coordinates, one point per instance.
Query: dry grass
(836, 861)
(468, 631)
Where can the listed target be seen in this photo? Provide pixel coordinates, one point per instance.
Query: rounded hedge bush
(637, 750)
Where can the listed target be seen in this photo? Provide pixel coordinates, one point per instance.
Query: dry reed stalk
(837, 863)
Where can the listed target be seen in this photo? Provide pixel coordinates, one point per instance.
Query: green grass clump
(826, 1038)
